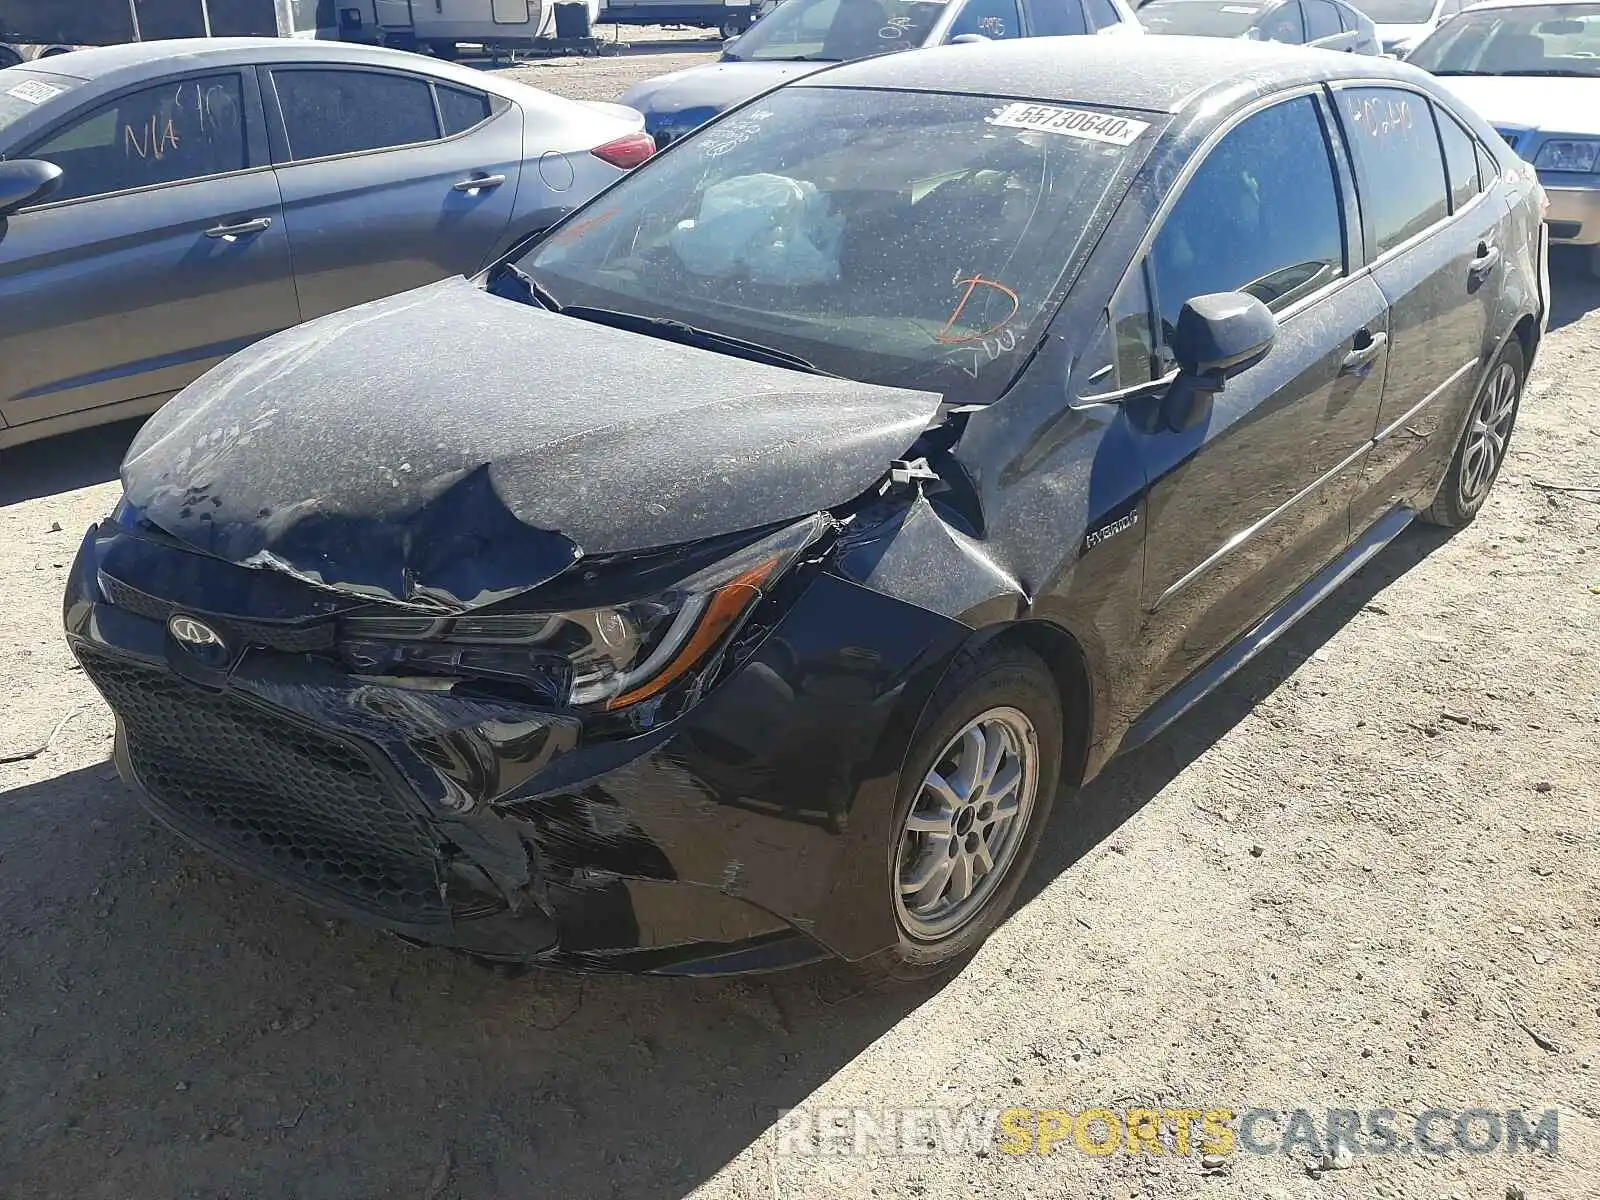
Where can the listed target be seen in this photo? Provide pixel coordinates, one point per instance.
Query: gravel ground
(1366, 874)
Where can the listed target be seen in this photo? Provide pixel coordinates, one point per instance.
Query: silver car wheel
(966, 824)
(1487, 434)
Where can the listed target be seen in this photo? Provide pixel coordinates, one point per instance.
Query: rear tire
(997, 714)
(9, 58)
(448, 51)
(1482, 450)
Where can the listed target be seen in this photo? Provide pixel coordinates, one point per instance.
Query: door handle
(1365, 352)
(1488, 258)
(231, 233)
(479, 183)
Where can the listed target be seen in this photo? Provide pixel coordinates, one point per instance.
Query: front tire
(9, 57)
(977, 790)
(1482, 450)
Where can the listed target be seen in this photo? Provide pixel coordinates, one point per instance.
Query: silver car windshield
(837, 30)
(1399, 12)
(895, 237)
(1553, 39)
(22, 91)
(1199, 18)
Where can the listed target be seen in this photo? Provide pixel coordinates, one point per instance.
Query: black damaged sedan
(730, 578)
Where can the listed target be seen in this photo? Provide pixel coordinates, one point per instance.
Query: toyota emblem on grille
(198, 638)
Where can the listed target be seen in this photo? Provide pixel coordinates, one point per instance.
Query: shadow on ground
(65, 463)
(1574, 289)
(1129, 783)
(275, 1052)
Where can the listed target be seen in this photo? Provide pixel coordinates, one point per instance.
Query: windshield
(901, 238)
(1201, 18)
(1553, 39)
(837, 30)
(23, 91)
(1399, 12)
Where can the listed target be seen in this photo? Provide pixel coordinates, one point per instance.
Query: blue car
(802, 36)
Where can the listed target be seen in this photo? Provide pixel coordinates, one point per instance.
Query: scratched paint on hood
(376, 451)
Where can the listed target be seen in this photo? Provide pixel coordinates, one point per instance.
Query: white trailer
(39, 28)
(440, 26)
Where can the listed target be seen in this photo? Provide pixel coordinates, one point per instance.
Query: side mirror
(1216, 337)
(26, 181)
(968, 39)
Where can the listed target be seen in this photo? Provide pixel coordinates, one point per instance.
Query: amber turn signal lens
(730, 602)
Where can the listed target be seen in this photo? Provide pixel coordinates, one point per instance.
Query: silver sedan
(164, 204)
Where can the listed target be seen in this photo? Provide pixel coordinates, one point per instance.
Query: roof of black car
(1154, 73)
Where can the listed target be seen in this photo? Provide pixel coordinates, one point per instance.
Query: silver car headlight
(606, 658)
(1568, 154)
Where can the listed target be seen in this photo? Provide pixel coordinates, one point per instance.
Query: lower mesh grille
(300, 804)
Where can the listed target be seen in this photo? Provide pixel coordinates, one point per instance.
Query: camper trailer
(32, 29)
(730, 17)
(441, 26)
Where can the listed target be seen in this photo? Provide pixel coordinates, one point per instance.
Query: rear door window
(1488, 169)
(1261, 215)
(344, 112)
(1283, 24)
(169, 133)
(1401, 170)
(462, 109)
(1460, 160)
(1102, 14)
(1056, 18)
(1322, 20)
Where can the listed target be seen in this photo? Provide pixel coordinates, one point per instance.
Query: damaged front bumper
(748, 833)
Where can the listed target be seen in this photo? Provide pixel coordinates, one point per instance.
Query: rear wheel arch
(1526, 331)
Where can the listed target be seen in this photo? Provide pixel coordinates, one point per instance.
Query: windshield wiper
(691, 335)
(536, 290)
(1560, 72)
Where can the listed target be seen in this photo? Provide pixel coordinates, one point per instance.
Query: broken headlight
(605, 658)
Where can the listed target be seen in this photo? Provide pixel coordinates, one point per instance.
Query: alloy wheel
(966, 824)
(1487, 434)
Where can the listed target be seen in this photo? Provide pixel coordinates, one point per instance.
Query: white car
(1531, 68)
(1402, 24)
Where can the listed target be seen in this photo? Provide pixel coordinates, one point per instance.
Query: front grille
(290, 639)
(300, 804)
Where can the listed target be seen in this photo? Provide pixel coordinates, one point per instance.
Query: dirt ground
(1366, 874)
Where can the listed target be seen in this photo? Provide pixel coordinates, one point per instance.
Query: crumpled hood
(1551, 105)
(450, 447)
(716, 86)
